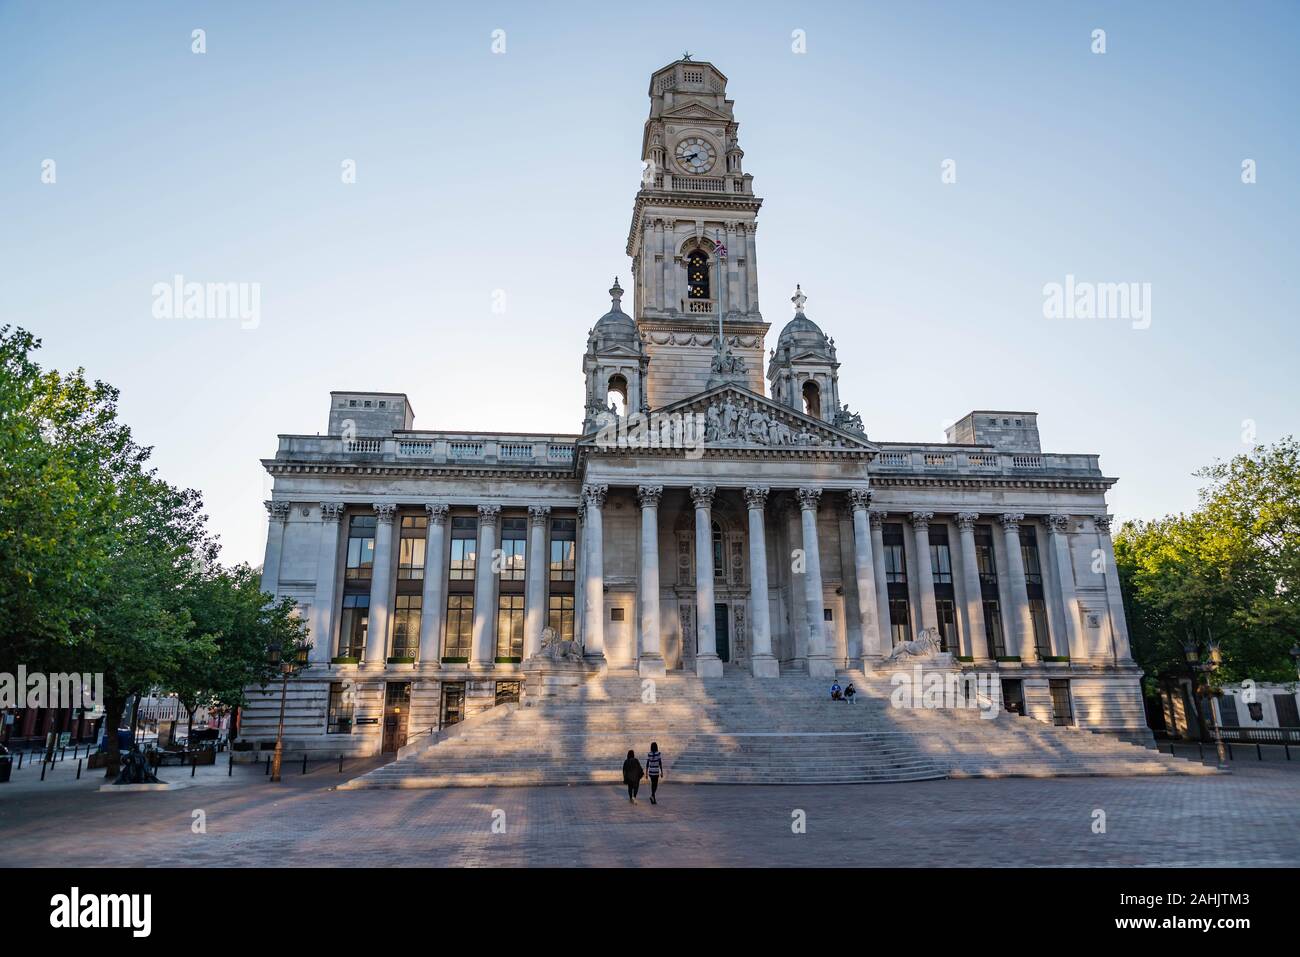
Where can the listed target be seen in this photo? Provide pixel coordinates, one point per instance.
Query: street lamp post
(1201, 690)
(287, 665)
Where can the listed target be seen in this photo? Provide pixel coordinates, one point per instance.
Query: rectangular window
(941, 563)
(1228, 712)
(1288, 715)
(339, 717)
(895, 565)
(984, 555)
(464, 545)
(1062, 713)
(361, 548)
(616, 614)
(510, 628)
(947, 612)
(1042, 636)
(564, 533)
(460, 628)
(406, 626)
(900, 620)
(560, 617)
(513, 533)
(993, 629)
(353, 626)
(410, 556)
(1029, 552)
(507, 691)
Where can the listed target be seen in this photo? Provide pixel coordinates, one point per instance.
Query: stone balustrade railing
(432, 448)
(947, 461)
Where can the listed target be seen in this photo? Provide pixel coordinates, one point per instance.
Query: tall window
(406, 626)
(946, 609)
(464, 544)
(353, 626)
(941, 563)
(361, 547)
(410, 554)
(513, 533)
(812, 399)
(993, 628)
(560, 616)
(895, 564)
(719, 557)
(1029, 553)
(339, 719)
(460, 627)
(984, 555)
(510, 628)
(697, 275)
(563, 549)
(900, 620)
(1042, 636)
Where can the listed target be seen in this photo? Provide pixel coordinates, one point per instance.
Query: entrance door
(723, 628)
(453, 704)
(1013, 695)
(397, 711)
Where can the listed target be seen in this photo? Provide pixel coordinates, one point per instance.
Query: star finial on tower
(686, 55)
(798, 299)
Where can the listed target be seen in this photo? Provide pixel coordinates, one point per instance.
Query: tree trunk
(189, 724)
(113, 707)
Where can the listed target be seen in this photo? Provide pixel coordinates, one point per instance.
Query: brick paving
(1250, 818)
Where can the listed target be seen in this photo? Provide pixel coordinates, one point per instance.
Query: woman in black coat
(632, 775)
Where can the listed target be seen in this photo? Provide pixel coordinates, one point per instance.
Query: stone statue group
(730, 422)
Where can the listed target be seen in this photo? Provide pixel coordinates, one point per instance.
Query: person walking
(632, 775)
(654, 769)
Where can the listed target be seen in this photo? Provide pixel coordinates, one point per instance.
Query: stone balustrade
(434, 448)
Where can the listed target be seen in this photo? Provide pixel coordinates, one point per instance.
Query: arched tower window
(617, 394)
(697, 275)
(812, 399)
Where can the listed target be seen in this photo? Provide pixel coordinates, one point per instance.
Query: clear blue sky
(478, 172)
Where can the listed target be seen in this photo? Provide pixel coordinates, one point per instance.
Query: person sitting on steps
(836, 693)
(849, 692)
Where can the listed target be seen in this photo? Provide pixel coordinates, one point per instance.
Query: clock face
(695, 155)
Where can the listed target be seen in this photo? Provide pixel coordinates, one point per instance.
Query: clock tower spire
(693, 236)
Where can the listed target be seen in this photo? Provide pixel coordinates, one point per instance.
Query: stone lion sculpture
(558, 650)
(925, 645)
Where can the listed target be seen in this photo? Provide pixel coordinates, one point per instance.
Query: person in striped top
(654, 768)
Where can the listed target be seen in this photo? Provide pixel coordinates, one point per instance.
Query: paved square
(1251, 818)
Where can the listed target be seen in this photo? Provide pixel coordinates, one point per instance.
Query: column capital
(385, 512)
(1011, 520)
(538, 514)
(1103, 522)
(921, 520)
(648, 495)
(594, 495)
(488, 515)
(277, 511)
(809, 496)
(1057, 524)
(756, 496)
(702, 495)
(877, 517)
(437, 513)
(859, 497)
(331, 511)
(966, 520)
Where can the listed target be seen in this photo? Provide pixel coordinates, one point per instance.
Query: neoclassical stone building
(719, 509)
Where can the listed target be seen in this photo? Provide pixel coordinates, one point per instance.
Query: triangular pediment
(730, 418)
(694, 111)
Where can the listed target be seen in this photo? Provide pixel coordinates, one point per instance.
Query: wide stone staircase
(738, 729)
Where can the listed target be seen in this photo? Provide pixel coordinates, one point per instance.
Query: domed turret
(803, 367)
(614, 365)
(615, 326)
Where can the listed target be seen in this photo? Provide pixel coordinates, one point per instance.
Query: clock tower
(692, 239)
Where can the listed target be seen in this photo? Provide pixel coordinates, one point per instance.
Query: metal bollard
(340, 764)
(268, 765)
(1229, 744)
(42, 770)
(304, 762)
(63, 754)
(78, 769)
(1286, 746)
(1259, 752)
(20, 760)
(230, 767)
(194, 764)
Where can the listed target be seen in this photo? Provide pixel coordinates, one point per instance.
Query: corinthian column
(483, 657)
(593, 618)
(1118, 624)
(864, 569)
(973, 613)
(650, 660)
(433, 600)
(327, 560)
(707, 662)
(1058, 530)
(877, 519)
(819, 663)
(924, 568)
(535, 586)
(381, 586)
(762, 660)
(278, 514)
(1018, 617)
